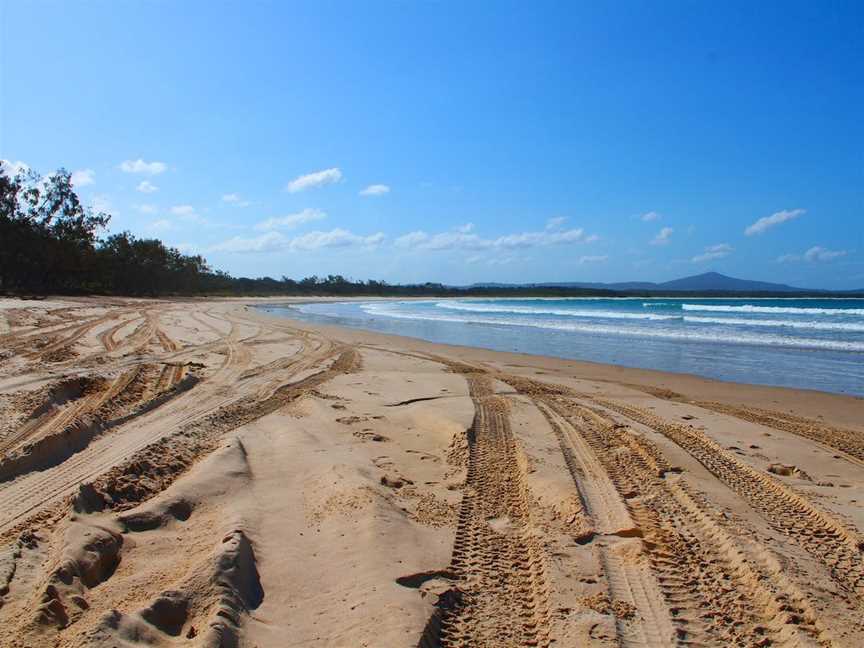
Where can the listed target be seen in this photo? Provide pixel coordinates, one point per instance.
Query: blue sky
(501, 141)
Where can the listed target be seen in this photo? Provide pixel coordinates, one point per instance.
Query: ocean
(804, 343)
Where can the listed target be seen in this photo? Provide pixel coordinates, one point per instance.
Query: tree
(48, 236)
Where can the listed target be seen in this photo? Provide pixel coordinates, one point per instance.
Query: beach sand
(203, 474)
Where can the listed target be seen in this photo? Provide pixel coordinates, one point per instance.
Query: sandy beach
(203, 474)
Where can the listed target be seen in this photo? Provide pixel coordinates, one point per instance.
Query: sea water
(805, 343)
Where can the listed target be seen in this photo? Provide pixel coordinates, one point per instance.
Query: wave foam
(789, 310)
(753, 339)
(815, 326)
(531, 310)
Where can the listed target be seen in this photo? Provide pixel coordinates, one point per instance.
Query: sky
(456, 142)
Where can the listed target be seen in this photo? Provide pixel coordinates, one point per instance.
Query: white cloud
(235, 199)
(556, 223)
(274, 241)
(463, 238)
(767, 222)
(788, 258)
(140, 166)
(145, 209)
(375, 190)
(188, 213)
(12, 169)
(334, 238)
(663, 236)
(507, 260)
(531, 239)
(145, 186)
(650, 217)
(292, 220)
(265, 243)
(593, 259)
(412, 239)
(713, 252)
(160, 225)
(83, 177)
(814, 254)
(317, 179)
(466, 228)
(819, 253)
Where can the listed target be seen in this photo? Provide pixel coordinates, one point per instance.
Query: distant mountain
(706, 282)
(717, 281)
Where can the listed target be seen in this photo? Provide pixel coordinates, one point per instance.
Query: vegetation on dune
(49, 243)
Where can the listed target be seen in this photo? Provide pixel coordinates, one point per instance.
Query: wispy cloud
(235, 199)
(334, 238)
(188, 213)
(767, 222)
(140, 166)
(649, 217)
(817, 253)
(161, 225)
(273, 241)
(466, 228)
(412, 239)
(713, 252)
(593, 259)
(145, 186)
(145, 208)
(269, 242)
(375, 190)
(465, 239)
(663, 236)
(83, 177)
(557, 222)
(292, 220)
(316, 179)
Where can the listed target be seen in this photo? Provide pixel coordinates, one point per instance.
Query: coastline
(730, 364)
(848, 409)
(205, 469)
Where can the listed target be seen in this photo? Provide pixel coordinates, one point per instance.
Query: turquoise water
(806, 343)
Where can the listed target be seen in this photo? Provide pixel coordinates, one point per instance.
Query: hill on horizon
(707, 281)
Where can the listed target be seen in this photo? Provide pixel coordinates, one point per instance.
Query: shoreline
(599, 363)
(811, 402)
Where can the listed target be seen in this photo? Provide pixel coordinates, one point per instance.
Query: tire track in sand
(630, 581)
(193, 425)
(722, 595)
(816, 531)
(849, 442)
(499, 597)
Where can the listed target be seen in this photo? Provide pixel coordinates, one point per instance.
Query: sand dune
(200, 474)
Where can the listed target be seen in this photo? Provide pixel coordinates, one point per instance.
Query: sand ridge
(199, 473)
